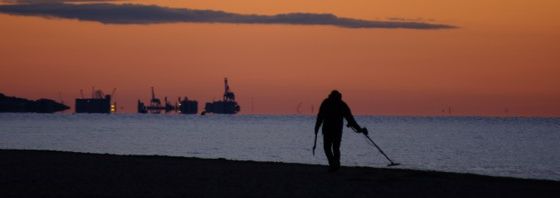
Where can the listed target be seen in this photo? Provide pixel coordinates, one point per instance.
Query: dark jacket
(331, 115)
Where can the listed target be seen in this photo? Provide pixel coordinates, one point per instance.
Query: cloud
(151, 14)
(52, 1)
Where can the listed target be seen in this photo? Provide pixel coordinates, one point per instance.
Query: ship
(10, 104)
(142, 107)
(184, 106)
(187, 106)
(98, 103)
(227, 105)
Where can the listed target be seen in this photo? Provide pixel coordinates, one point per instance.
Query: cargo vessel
(98, 103)
(187, 106)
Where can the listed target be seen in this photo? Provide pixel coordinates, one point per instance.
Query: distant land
(18, 105)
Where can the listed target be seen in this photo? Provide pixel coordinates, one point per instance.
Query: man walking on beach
(331, 114)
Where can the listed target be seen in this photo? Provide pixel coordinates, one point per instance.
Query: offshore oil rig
(101, 103)
(227, 105)
(98, 103)
(184, 106)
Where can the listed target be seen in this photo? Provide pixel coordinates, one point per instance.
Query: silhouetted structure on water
(226, 106)
(187, 106)
(184, 106)
(98, 103)
(20, 105)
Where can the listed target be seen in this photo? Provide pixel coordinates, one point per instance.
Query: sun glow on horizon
(502, 60)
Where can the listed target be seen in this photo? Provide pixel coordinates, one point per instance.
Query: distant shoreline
(25, 173)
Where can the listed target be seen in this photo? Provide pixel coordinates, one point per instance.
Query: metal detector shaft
(379, 148)
(365, 132)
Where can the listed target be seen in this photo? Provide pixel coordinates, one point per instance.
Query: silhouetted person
(331, 114)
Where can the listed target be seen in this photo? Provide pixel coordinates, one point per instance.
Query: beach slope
(29, 173)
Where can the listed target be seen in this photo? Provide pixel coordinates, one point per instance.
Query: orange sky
(504, 55)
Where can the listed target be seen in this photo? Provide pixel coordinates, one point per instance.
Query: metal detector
(365, 132)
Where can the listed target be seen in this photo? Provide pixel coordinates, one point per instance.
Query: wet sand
(28, 173)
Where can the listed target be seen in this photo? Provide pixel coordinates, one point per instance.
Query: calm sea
(517, 147)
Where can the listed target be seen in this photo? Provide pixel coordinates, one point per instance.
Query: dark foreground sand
(64, 174)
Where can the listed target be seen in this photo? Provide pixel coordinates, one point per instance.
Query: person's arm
(320, 117)
(350, 118)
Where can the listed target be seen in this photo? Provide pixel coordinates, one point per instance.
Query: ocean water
(516, 147)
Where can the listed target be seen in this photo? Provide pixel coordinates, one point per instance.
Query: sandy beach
(30, 173)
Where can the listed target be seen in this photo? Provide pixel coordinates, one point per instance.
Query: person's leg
(327, 146)
(336, 149)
